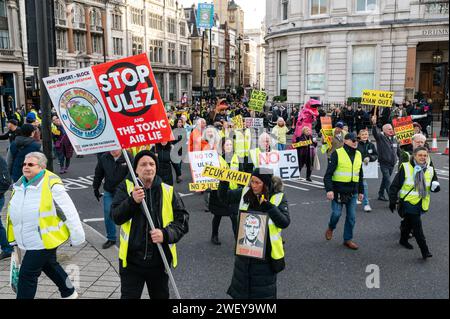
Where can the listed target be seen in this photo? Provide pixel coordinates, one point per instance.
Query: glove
(392, 206)
(435, 187)
(97, 194)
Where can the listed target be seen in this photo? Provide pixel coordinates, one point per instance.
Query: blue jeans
(6, 248)
(366, 193)
(350, 218)
(109, 223)
(281, 147)
(386, 181)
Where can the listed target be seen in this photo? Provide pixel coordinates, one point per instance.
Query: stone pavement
(93, 270)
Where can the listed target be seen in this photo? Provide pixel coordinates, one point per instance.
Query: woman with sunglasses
(41, 216)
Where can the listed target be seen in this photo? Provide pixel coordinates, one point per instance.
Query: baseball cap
(340, 124)
(31, 117)
(350, 136)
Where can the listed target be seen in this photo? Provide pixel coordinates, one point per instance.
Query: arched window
(96, 17)
(60, 10)
(78, 17)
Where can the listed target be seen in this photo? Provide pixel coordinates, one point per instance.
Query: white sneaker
(358, 202)
(367, 208)
(72, 296)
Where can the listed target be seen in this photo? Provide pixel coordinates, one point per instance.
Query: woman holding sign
(264, 212)
(306, 152)
(368, 154)
(228, 160)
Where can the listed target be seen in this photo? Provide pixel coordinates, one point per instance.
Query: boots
(215, 240)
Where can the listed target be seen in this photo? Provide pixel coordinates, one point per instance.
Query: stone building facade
(12, 92)
(333, 49)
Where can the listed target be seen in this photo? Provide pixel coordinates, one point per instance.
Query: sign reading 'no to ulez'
(110, 106)
(377, 98)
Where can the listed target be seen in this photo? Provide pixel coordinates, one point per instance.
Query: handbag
(401, 204)
(16, 261)
(316, 165)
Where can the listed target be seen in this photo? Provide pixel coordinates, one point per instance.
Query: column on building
(271, 81)
(337, 68)
(393, 63)
(410, 77)
(294, 69)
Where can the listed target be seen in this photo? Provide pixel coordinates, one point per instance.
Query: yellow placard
(377, 98)
(327, 137)
(201, 187)
(238, 122)
(257, 100)
(227, 175)
(302, 143)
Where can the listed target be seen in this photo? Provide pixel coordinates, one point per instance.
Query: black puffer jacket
(254, 278)
(110, 170)
(165, 163)
(141, 249)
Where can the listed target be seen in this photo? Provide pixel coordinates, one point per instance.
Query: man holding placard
(140, 261)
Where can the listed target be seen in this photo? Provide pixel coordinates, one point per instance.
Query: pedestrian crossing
(442, 174)
(304, 185)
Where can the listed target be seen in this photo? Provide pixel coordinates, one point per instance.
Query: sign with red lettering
(404, 129)
(252, 234)
(133, 102)
(110, 106)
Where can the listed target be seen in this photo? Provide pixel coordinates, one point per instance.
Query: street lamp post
(239, 39)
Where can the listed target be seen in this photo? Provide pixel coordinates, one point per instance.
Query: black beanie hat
(265, 175)
(142, 154)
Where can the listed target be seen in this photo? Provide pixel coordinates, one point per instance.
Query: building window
(282, 73)
(117, 21)
(171, 55)
(96, 19)
(137, 16)
(315, 69)
(284, 9)
(62, 66)
(61, 42)
(118, 46)
(159, 78)
(172, 86)
(171, 26)
(97, 44)
(183, 54)
(155, 21)
(187, 14)
(184, 82)
(363, 69)
(4, 39)
(366, 5)
(79, 41)
(78, 17)
(3, 11)
(156, 51)
(318, 7)
(171, 3)
(137, 45)
(60, 13)
(182, 29)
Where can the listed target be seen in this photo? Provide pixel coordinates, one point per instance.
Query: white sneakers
(367, 208)
(72, 296)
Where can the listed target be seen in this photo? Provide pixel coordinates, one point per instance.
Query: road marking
(306, 183)
(443, 177)
(321, 177)
(296, 187)
(90, 220)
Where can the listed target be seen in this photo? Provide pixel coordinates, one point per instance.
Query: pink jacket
(306, 117)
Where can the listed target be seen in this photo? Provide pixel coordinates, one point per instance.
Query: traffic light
(30, 83)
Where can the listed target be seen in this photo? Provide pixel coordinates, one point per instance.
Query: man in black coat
(141, 262)
(13, 131)
(112, 168)
(5, 182)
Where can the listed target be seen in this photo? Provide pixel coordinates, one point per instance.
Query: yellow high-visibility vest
(346, 171)
(254, 156)
(413, 196)
(234, 165)
(167, 218)
(52, 228)
(276, 240)
(242, 142)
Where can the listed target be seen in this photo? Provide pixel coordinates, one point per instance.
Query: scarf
(419, 179)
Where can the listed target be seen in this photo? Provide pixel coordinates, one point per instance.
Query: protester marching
(237, 154)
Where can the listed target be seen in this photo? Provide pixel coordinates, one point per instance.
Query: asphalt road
(315, 267)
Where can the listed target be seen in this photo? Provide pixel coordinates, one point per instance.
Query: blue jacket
(17, 152)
